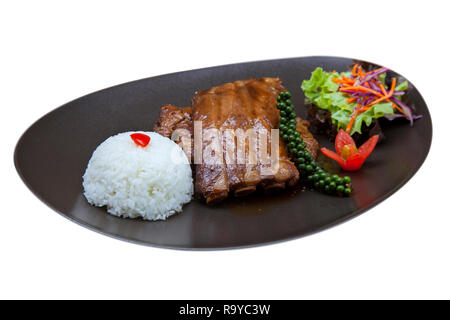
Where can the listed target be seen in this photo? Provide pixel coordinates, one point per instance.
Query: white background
(55, 51)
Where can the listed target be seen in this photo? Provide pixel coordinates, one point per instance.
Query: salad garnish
(356, 97)
(349, 157)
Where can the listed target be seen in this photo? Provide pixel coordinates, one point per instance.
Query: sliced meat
(266, 117)
(210, 175)
(248, 173)
(241, 105)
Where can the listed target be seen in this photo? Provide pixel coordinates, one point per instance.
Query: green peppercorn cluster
(310, 172)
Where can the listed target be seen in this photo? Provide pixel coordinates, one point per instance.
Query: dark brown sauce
(259, 203)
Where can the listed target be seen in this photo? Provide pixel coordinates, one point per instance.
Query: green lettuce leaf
(382, 78)
(377, 111)
(402, 86)
(363, 117)
(381, 109)
(341, 118)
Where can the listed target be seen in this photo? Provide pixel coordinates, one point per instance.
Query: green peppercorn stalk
(310, 172)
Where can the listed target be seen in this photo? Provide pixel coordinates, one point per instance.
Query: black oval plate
(52, 155)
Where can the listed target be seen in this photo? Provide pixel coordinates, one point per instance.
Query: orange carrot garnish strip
(348, 80)
(374, 102)
(341, 81)
(363, 89)
(394, 81)
(396, 107)
(352, 120)
(360, 71)
(354, 69)
(392, 92)
(349, 100)
(383, 89)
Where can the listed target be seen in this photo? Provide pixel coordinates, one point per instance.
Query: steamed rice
(151, 182)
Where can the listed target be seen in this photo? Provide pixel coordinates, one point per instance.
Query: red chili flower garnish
(348, 155)
(140, 139)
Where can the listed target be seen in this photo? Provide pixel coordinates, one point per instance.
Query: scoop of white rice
(151, 182)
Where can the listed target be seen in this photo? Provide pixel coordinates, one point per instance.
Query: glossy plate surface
(52, 155)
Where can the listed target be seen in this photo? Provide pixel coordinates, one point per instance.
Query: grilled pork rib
(312, 146)
(176, 123)
(240, 105)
